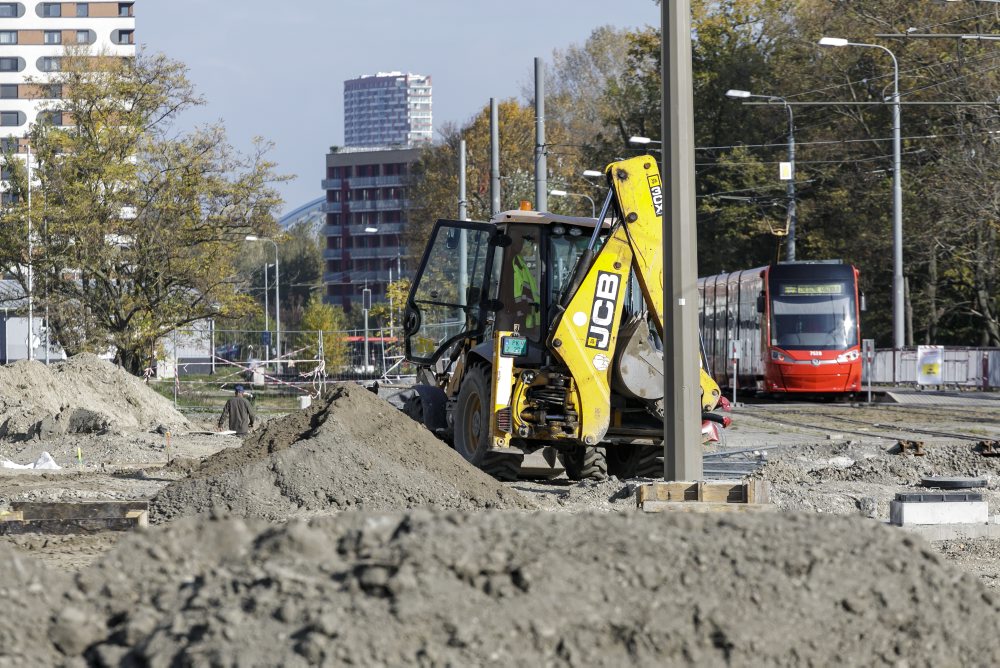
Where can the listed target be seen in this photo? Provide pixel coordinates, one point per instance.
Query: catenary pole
(494, 158)
(681, 414)
(541, 182)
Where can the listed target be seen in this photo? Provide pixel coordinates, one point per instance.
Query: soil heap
(83, 394)
(350, 450)
(529, 589)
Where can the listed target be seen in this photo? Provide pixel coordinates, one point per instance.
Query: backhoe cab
(540, 332)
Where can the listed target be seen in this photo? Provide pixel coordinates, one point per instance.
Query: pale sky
(276, 68)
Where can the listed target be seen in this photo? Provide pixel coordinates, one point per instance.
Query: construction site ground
(348, 533)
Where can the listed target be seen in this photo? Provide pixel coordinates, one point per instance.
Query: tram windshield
(813, 315)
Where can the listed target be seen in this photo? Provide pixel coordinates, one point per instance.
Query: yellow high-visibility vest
(524, 278)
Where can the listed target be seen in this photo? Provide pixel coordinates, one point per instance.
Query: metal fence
(961, 367)
(200, 366)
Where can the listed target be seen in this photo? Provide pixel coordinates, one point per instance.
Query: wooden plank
(37, 510)
(706, 507)
(703, 492)
(69, 526)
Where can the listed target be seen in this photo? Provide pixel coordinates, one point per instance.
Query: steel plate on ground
(946, 482)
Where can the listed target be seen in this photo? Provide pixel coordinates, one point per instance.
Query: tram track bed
(845, 459)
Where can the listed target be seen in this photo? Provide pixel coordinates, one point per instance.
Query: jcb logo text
(602, 313)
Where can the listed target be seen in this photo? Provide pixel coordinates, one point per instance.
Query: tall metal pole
(681, 415)
(793, 218)
(541, 181)
(463, 203)
(494, 158)
(463, 236)
(277, 307)
(267, 324)
(898, 288)
(898, 329)
(31, 270)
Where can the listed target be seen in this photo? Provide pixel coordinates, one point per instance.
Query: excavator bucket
(638, 370)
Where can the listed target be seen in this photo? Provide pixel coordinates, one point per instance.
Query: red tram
(795, 326)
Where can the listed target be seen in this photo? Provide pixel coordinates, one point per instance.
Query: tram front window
(813, 316)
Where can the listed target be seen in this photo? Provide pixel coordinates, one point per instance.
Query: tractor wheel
(472, 428)
(585, 463)
(623, 460)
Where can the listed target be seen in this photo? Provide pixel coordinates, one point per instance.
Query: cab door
(447, 300)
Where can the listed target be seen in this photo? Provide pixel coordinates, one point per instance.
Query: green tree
(331, 321)
(434, 193)
(137, 227)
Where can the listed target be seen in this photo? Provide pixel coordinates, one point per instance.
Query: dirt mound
(30, 592)
(350, 450)
(533, 589)
(84, 394)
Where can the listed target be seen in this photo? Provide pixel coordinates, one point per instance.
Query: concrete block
(902, 513)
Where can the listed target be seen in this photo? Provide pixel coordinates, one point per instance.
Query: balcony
(356, 277)
(331, 207)
(332, 184)
(384, 253)
(358, 230)
(375, 181)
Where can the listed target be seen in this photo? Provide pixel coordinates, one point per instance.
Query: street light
(593, 173)
(793, 217)
(898, 331)
(642, 141)
(563, 193)
(277, 297)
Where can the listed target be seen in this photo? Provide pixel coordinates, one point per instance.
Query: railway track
(872, 428)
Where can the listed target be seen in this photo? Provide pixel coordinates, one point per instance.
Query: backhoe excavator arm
(586, 333)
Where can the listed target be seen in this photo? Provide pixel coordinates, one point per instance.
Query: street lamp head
(593, 173)
(252, 237)
(833, 41)
(371, 230)
(640, 140)
(736, 94)
(557, 193)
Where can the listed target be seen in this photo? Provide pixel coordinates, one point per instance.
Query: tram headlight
(777, 356)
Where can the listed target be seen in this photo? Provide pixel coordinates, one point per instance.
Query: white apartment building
(388, 109)
(34, 37)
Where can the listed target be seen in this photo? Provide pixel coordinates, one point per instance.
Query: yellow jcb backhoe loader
(532, 335)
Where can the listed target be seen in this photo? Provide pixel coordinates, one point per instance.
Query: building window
(124, 9)
(8, 37)
(9, 144)
(50, 64)
(8, 198)
(83, 37)
(9, 119)
(8, 92)
(125, 36)
(9, 65)
(53, 91)
(52, 117)
(51, 10)
(82, 10)
(53, 37)
(8, 10)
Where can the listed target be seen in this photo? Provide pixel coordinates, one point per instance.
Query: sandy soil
(346, 519)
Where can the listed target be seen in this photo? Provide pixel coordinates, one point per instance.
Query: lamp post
(793, 218)
(277, 298)
(563, 193)
(898, 327)
(31, 272)
(593, 173)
